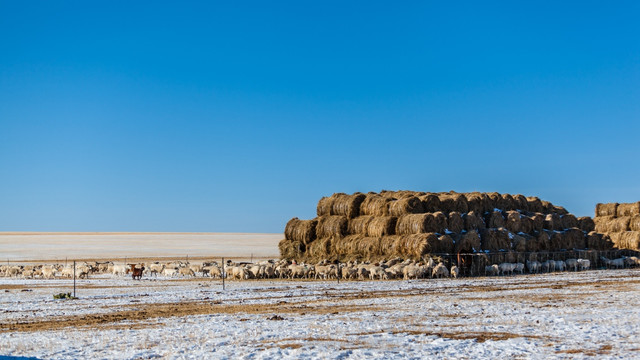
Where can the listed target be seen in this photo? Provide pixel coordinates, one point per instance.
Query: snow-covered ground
(585, 314)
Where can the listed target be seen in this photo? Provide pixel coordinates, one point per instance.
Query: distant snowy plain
(591, 314)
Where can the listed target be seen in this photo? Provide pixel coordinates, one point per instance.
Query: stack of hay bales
(410, 224)
(621, 222)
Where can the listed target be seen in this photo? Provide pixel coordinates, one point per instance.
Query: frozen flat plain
(21, 246)
(591, 314)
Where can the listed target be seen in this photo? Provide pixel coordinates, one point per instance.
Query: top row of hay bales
(397, 203)
(621, 222)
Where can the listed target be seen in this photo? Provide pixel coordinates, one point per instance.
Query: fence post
(74, 278)
(339, 272)
(224, 274)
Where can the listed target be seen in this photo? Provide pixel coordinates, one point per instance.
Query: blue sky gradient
(206, 116)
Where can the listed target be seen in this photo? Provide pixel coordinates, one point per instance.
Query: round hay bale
(532, 243)
(552, 222)
(291, 250)
(574, 238)
(495, 201)
(430, 202)
(468, 242)
(445, 245)
(347, 205)
(521, 202)
(569, 221)
(544, 241)
(629, 240)
(602, 223)
(586, 224)
(535, 204)
(508, 203)
(357, 247)
(453, 202)
(628, 209)
(334, 225)
(547, 207)
(619, 224)
(560, 210)
(493, 239)
(412, 246)
(478, 202)
(319, 250)
(325, 204)
(634, 223)
(597, 241)
(537, 222)
(495, 219)
(360, 225)
(301, 230)
(407, 205)
(606, 209)
(455, 223)
(382, 226)
(473, 221)
(557, 241)
(513, 222)
(412, 224)
(375, 205)
(437, 222)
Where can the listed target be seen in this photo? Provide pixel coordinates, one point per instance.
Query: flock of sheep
(283, 269)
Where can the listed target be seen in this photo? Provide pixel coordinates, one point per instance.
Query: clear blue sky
(211, 116)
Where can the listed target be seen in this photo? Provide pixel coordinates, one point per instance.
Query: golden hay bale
(301, 230)
(347, 205)
(478, 202)
(602, 223)
(519, 243)
(455, 223)
(560, 210)
(627, 240)
(537, 222)
(552, 222)
(334, 225)
(557, 241)
(412, 224)
(493, 239)
(430, 202)
(547, 207)
(508, 203)
(453, 202)
(382, 226)
(532, 243)
(468, 242)
(535, 205)
(513, 222)
(407, 205)
(634, 223)
(606, 209)
(375, 205)
(357, 247)
(569, 221)
(574, 238)
(324, 205)
(544, 240)
(628, 209)
(586, 224)
(359, 225)
(291, 249)
(495, 201)
(494, 219)
(412, 246)
(319, 250)
(521, 203)
(445, 245)
(597, 241)
(618, 224)
(473, 221)
(437, 222)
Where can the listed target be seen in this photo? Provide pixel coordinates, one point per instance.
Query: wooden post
(339, 272)
(224, 274)
(74, 278)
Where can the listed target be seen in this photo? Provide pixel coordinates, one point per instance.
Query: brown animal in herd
(136, 272)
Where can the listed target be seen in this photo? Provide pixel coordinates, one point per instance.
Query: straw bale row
(301, 230)
(620, 222)
(618, 209)
(626, 240)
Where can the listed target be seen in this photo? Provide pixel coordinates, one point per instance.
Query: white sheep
(533, 266)
(560, 265)
(506, 268)
(440, 271)
(492, 270)
(455, 272)
(584, 264)
(572, 264)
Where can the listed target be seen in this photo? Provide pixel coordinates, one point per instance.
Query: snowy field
(558, 315)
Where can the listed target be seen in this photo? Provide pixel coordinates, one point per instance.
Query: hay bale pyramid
(621, 222)
(409, 224)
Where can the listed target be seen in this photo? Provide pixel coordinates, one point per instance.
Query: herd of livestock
(283, 269)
